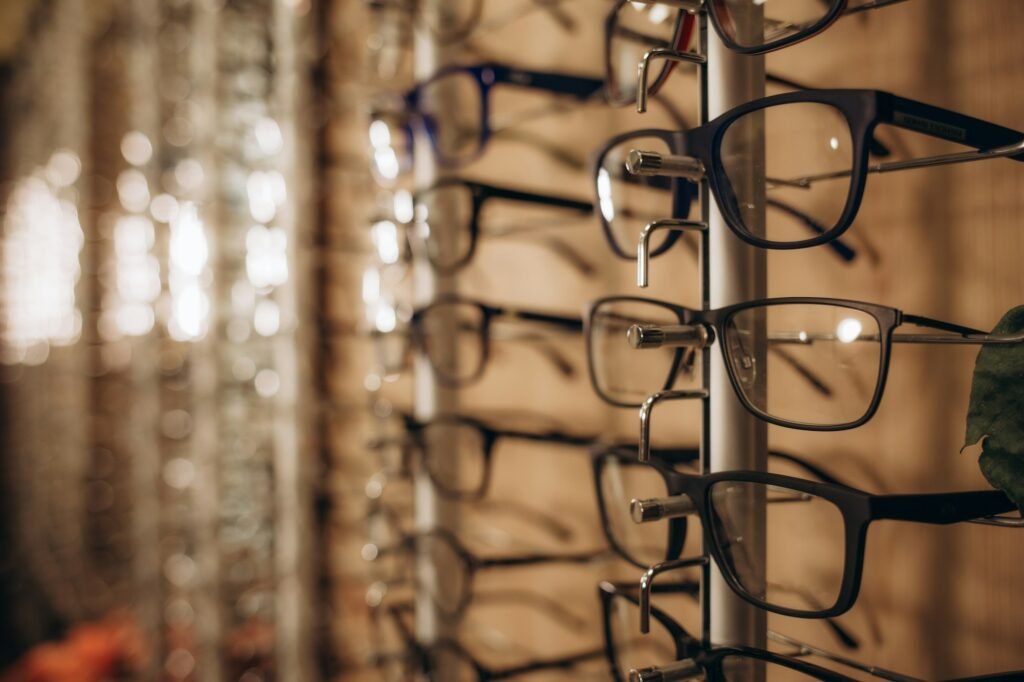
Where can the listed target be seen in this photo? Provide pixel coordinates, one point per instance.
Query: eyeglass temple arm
(941, 508)
(947, 125)
(548, 664)
(580, 87)
(958, 334)
(647, 584)
(644, 69)
(561, 155)
(870, 4)
(991, 141)
(572, 324)
(644, 444)
(552, 607)
(534, 559)
(807, 649)
(585, 207)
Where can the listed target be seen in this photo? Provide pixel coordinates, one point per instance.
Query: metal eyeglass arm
(644, 68)
(808, 650)
(643, 249)
(680, 166)
(926, 162)
(644, 446)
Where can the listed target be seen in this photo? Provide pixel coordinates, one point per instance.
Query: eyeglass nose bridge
(644, 446)
(645, 66)
(643, 249)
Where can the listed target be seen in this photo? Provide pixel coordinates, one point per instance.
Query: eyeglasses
(455, 334)
(678, 655)
(620, 478)
(826, 572)
(628, 202)
(449, 244)
(450, 657)
(457, 451)
(845, 344)
(664, 24)
(452, 590)
(468, 128)
(817, 160)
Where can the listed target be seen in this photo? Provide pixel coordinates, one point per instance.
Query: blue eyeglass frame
(488, 75)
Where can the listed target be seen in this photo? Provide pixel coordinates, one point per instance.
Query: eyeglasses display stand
(735, 272)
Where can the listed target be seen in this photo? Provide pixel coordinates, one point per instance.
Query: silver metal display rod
(737, 272)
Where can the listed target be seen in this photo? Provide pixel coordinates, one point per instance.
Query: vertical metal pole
(737, 272)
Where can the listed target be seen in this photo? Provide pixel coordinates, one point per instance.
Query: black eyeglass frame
(424, 654)
(474, 563)
(487, 76)
(480, 194)
(664, 462)
(858, 508)
(863, 111)
(487, 315)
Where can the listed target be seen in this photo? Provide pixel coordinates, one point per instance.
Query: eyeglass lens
(840, 346)
(459, 138)
(459, 356)
(803, 139)
(638, 29)
(453, 455)
(628, 202)
(625, 374)
(782, 19)
(805, 534)
(621, 481)
(447, 241)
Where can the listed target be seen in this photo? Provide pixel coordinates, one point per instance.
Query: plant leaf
(995, 415)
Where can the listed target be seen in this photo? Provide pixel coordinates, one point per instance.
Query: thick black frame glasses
(461, 582)
(689, 653)
(450, 246)
(471, 448)
(463, 365)
(662, 464)
(481, 79)
(713, 148)
(428, 658)
(836, 331)
(697, 660)
(721, 499)
(624, 225)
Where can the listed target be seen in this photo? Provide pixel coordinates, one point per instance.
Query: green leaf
(996, 412)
